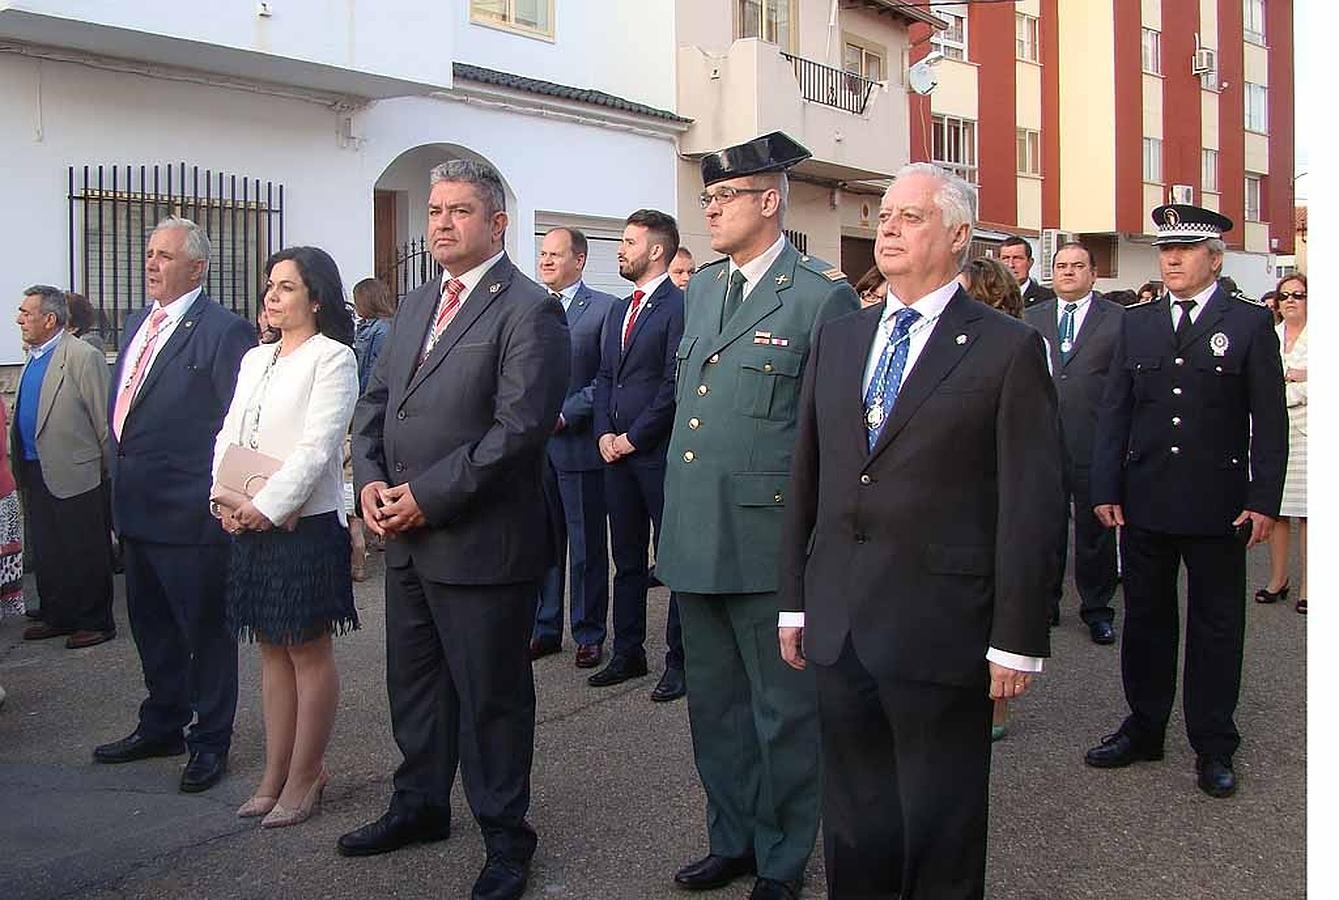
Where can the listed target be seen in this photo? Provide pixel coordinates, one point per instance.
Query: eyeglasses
(726, 194)
(1292, 295)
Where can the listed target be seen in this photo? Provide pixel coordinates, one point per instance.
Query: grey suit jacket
(71, 420)
(1079, 381)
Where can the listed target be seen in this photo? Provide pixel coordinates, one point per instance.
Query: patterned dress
(11, 532)
(1294, 482)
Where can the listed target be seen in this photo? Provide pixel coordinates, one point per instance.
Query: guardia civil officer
(748, 323)
(1189, 458)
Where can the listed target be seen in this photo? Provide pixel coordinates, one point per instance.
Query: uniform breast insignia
(1218, 344)
(720, 274)
(781, 280)
(765, 339)
(960, 339)
(834, 274)
(495, 287)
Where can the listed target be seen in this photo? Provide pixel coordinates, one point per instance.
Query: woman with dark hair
(1149, 290)
(1291, 296)
(871, 288)
(288, 577)
(83, 321)
(375, 305)
(1270, 299)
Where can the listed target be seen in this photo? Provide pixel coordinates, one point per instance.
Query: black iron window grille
(798, 238)
(831, 87)
(113, 209)
(414, 266)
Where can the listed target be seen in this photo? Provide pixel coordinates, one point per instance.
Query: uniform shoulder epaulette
(1143, 303)
(714, 262)
(822, 267)
(1244, 299)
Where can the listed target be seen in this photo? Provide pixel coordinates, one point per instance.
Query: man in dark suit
(174, 380)
(574, 474)
(634, 410)
(1081, 328)
(1189, 459)
(448, 453)
(1016, 254)
(920, 552)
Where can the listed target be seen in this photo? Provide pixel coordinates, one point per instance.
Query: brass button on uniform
(777, 498)
(689, 456)
(400, 415)
(702, 390)
(1176, 420)
(865, 479)
(714, 358)
(1176, 450)
(694, 423)
(1176, 391)
(767, 367)
(1179, 361)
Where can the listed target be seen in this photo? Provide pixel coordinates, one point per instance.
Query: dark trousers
(755, 732)
(462, 692)
(175, 597)
(1094, 554)
(906, 785)
(1215, 634)
(576, 504)
(636, 497)
(72, 553)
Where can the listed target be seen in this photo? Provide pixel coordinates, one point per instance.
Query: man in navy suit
(573, 475)
(174, 380)
(634, 411)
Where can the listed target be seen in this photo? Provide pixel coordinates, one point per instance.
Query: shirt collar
(930, 306)
(1061, 302)
(36, 353)
(472, 278)
(176, 309)
(570, 292)
(1024, 285)
(1201, 299)
(650, 287)
(757, 267)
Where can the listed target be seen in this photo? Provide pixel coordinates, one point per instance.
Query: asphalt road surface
(616, 799)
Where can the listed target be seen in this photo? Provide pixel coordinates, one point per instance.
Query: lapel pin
(189, 324)
(960, 339)
(495, 287)
(1218, 344)
(781, 280)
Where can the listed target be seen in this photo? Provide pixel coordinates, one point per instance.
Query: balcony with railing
(831, 87)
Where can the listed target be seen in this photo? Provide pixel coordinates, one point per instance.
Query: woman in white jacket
(291, 590)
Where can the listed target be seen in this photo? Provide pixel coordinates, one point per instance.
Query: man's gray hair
(53, 302)
(197, 242)
(955, 198)
(485, 179)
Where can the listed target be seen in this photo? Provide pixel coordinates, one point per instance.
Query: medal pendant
(1066, 346)
(874, 415)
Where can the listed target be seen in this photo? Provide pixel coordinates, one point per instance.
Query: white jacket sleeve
(324, 424)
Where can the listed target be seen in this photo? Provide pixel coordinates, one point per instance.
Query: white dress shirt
(756, 268)
(36, 353)
(1201, 300)
(931, 306)
(568, 294)
(1079, 314)
(304, 411)
(176, 311)
(470, 279)
(647, 290)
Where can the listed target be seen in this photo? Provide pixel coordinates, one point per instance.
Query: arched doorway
(399, 215)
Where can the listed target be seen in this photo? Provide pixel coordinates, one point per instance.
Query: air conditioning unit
(1203, 61)
(1183, 193)
(1052, 239)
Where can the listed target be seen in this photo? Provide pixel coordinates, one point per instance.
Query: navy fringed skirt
(289, 587)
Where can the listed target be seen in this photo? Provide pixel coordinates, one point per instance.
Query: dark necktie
(556, 296)
(1067, 331)
(734, 296)
(1183, 324)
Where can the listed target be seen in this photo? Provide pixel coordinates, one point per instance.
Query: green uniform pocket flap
(759, 488)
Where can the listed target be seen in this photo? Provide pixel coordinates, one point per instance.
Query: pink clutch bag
(242, 474)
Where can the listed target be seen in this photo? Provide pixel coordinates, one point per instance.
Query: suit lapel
(493, 285)
(577, 308)
(180, 336)
(1047, 311)
(55, 373)
(855, 357)
(938, 358)
(652, 304)
(763, 300)
(1091, 322)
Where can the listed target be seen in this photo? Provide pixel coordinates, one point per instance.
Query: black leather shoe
(619, 670)
(138, 746)
(501, 879)
(392, 831)
(671, 686)
(768, 889)
(1216, 777)
(203, 771)
(714, 871)
(1102, 632)
(1118, 750)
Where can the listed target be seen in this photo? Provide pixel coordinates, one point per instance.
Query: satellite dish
(921, 78)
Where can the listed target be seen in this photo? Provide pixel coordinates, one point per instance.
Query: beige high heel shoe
(280, 817)
(256, 806)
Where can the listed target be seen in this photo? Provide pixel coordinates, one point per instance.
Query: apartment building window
(1152, 51)
(526, 16)
(863, 59)
(1209, 171)
(1029, 152)
(771, 20)
(952, 41)
(1257, 107)
(1253, 186)
(1153, 160)
(1025, 37)
(1253, 20)
(954, 143)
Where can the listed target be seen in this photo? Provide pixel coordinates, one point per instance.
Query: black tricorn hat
(773, 152)
(1181, 223)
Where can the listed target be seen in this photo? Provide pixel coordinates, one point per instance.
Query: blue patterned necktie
(1067, 331)
(887, 380)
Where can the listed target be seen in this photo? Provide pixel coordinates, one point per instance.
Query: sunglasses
(1292, 295)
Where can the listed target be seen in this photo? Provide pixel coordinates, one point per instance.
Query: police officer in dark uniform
(1189, 459)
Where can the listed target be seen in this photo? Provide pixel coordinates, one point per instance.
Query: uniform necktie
(1067, 331)
(137, 372)
(1183, 324)
(734, 296)
(632, 316)
(887, 380)
(446, 311)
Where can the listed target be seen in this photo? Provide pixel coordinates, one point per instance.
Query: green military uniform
(754, 719)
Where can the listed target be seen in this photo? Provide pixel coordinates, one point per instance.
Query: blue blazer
(574, 449)
(634, 391)
(161, 467)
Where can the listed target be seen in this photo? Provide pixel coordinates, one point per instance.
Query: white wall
(622, 47)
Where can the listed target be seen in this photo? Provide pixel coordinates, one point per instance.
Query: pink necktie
(132, 384)
(446, 311)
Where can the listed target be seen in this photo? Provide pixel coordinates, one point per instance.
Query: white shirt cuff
(1014, 661)
(790, 620)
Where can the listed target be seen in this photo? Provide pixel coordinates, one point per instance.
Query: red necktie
(632, 316)
(137, 373)
(446, 311)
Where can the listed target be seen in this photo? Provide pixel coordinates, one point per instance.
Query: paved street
(616, 800)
